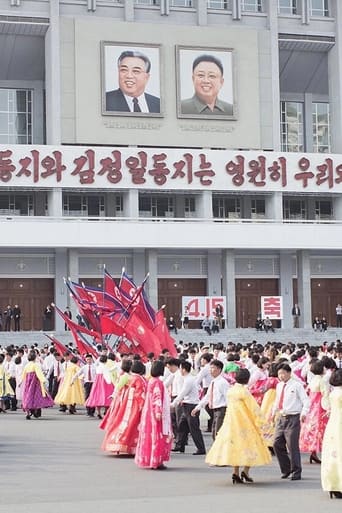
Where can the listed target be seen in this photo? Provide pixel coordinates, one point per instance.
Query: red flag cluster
(122, 310)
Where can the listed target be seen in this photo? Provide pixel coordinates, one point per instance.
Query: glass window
(319, 8)
(292, 124)
(227, 208)
(294, 209)
(287, 7)
(82, 205)
(189, 206)
(147, 2)
(16, 116)
(321, 127)
(258, 209)
(16, 204)
(156, 206)
(323, 209)
(181, 3)
(251, 5)
(220, 4)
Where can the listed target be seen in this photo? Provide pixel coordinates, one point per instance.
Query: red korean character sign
(200, 307)
(272, 307)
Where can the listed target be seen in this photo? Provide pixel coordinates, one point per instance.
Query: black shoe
(28, 416)
(336, 495)
(236, 479)
(161, 467)
(296, 478)
(246, 478)
(63, 408)
(198, 453)
(286, 475)
(178, 449)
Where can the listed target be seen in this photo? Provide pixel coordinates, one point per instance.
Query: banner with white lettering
(272, 307)
(199, 307)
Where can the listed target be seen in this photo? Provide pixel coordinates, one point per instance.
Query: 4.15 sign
(199, 307)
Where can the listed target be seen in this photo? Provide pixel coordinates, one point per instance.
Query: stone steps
(239, 335)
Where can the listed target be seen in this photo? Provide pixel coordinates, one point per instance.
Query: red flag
(140, 334)
(62, 349)
(162, 333)
(110, 326)
(82, 345)
(138, 300)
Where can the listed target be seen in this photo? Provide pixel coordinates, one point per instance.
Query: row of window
(16, 122)
(224, 207)
(318, 8)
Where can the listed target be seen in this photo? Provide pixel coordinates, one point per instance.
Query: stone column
(204, 205)
(274, 206)
(228, 258)
(131, 203)
(286, 287)
(62, 298)
(335, 83)
(214, 272)
(55, 202)
(304, 288)
(152, 283)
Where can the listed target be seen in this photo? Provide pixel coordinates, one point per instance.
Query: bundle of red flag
(122, 310)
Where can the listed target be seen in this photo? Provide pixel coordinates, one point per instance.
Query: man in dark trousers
(189, 397)
(16, 317)
(8, 315)
(292, 404)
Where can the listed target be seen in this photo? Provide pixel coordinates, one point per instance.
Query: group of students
(260, 400)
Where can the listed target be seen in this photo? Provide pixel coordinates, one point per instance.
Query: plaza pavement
(55, 465)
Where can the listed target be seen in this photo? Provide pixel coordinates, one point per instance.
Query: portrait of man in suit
(210, 95)
(133, 69)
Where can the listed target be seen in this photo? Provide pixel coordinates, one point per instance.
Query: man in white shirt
(87, 373)
(189, 397)
(173, 381)
(216, 396)
(292, 403)
(9, 367)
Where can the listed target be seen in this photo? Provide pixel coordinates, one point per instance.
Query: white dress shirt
(83, 373)
(189, 393)
(204, 376)
(218, 391)
(295, 398)
(141, 100)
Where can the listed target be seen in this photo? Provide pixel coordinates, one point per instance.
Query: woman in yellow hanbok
(267, 403)
(239, 441)
(6, 390)
(71, 390)
(331, 468)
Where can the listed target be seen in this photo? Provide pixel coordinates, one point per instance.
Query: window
(323, 210)
(251, 5)
(258, 209)
(81, 205)
(319, 8)
(147, 2)
(227, 208)
(321, 127)
(181, 3)
(16, 205)
(156, 206)
(16, 116)
(295, 209)
(189, 206)
(287, 7)
(119, 205)
(220, 4)
(292, 124)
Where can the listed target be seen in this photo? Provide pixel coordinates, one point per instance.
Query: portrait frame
(185, 56)
(110, 52)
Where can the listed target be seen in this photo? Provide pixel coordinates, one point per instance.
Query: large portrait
(130, 79)
(205, 83)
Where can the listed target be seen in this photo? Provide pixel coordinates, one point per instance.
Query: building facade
(243, 200)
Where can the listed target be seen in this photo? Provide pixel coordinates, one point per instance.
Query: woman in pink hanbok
(258, 379)
(312, 431)
(155, 435)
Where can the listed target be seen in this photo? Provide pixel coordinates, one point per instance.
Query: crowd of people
(281, 400)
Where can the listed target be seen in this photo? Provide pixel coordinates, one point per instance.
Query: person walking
(34, 394)
(155, 434)
(312, 432)
(292, 404)
(239, 442)
(189, 397)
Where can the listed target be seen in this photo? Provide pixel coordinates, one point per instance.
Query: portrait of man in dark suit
(209, 95)
(133, 68)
